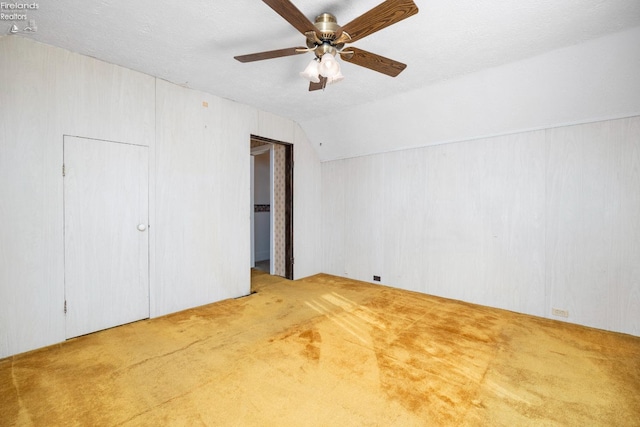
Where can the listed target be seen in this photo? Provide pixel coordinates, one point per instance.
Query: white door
(105, 234)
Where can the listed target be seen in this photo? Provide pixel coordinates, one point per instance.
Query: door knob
(142, 227)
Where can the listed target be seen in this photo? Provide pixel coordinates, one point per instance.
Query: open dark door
(289, 210)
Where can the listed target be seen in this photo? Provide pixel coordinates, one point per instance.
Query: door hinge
(63, 170)
(65, 306)
(293, 260)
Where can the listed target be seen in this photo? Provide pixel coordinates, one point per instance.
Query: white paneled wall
(364, 225)
(199, 184)
(202, 188)
(526, 222)
(484, 230)
(404, 209)
(45, 93)
(624, 300)
(307, 207)
(334, 217)
(593, 223)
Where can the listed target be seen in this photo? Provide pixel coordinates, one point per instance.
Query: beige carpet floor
(327, 351)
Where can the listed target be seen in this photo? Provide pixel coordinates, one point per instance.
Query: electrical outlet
(376, 278)
(558, 312)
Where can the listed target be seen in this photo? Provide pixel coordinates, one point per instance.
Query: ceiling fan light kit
(326, 39)
(335, 79)
(311, 72)
(329, 67)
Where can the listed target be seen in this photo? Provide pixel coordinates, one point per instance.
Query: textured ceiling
(192, 43)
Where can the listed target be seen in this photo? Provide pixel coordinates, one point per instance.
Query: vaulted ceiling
(192, 43)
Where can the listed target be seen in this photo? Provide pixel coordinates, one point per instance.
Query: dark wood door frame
(288, 210)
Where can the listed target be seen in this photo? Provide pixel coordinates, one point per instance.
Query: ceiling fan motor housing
(328, 25)
(324, 42)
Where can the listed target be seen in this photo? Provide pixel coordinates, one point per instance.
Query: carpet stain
(330, 351)
(311, 340)
(423, 356)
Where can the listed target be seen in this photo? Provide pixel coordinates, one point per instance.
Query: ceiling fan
(327, 39)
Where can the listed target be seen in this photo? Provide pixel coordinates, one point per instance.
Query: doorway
(262, 177)
(106, 245)
(272, 206)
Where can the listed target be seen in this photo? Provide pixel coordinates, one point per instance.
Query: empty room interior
(318, 213)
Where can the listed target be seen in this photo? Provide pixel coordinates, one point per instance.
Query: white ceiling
(193, 42)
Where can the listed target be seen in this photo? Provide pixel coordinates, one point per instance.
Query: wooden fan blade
(317, 86)
(292, 15)
(372, 61)
(381, 16)
(270, 54)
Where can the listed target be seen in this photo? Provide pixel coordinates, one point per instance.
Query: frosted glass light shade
(335, 79)
(311, 72)
(329, 67)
